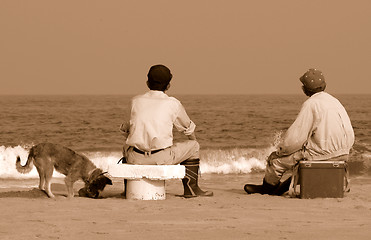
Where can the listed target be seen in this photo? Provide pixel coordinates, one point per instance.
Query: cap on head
(159, 77)
(313, 80)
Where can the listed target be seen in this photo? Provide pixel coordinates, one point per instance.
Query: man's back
(152, 118)
(332, 133)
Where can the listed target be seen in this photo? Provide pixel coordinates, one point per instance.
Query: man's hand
(124, 128)
(271, 158)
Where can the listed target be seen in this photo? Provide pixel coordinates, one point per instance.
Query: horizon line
(133, 94)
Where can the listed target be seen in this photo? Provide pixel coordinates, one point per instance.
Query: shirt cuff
(191, 128)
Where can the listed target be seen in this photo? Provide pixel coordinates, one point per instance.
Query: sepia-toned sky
(211, 46)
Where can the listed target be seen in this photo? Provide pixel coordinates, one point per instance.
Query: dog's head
(96, 183)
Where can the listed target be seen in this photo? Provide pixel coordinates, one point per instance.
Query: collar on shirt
(156, 93)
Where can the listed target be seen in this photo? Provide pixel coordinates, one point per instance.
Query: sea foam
(212, 161)
(216, 161)
(8, 157)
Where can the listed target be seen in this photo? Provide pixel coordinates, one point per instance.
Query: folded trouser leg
(274, 172)
(278, 166)
(181, 151)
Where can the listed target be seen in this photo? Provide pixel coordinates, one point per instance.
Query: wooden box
(321, 179)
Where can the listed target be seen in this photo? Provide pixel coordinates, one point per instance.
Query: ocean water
(236, 132)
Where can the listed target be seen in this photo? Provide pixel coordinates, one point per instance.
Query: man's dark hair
(159, 77)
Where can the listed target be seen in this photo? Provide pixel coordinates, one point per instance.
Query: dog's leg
(48, 177)
(48, 189)
(69, 184)
(42, 179)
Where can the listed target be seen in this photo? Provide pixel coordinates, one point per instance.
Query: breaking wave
(218, 161)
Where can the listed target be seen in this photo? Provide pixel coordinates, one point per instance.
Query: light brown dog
(47, 156)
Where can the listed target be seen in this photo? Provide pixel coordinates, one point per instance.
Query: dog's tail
(29, 164)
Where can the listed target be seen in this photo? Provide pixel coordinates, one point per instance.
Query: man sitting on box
(150, 131)
(321, 131)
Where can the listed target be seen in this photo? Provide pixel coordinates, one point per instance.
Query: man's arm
(299, 132)
(184, 124)
(124, 128)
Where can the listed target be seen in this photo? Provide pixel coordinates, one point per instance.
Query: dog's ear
(96, 183)
(108, 181)
(100, 183)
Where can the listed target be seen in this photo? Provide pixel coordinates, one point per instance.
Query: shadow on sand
(59, 190)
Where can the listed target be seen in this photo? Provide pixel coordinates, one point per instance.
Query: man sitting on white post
(149, 132)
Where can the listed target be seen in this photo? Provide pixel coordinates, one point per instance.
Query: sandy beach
(26, 213)
(70, 71)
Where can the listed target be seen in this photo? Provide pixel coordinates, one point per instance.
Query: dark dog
(47, 156)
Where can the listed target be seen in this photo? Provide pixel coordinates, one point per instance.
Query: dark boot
(266, 188)
(282, 187)
(190, 181)
(252, 188)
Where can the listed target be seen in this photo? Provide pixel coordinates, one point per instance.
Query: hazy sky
(211, 47)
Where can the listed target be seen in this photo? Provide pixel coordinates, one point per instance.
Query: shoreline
(229, 214)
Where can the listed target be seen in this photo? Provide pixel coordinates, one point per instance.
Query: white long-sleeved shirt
(322, 130)
(152, 118)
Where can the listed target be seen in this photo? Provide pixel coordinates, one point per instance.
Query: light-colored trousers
(173, 155)
(278, 166)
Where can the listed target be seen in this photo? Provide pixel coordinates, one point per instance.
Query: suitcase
(321, 179)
